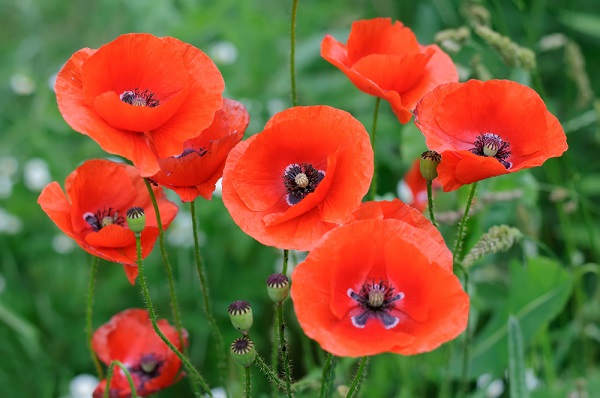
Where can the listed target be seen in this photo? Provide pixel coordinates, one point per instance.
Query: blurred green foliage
(555, 298)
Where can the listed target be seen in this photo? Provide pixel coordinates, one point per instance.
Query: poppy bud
(428, 165)
(240, 314)
(243, 351)
(136, 219)
(278, 287)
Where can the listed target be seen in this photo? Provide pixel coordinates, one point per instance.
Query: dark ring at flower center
(300, 179)
(136, 97)
(102, 218)
(491, 145)
(376, 300)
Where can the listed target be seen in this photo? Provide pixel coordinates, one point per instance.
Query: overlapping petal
(98, 189)
(182, 79)
(254, 192)
(384, 59)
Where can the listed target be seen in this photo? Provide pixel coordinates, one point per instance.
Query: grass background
(551, 287)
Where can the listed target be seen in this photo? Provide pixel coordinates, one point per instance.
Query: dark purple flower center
(136, 97)
(376, 300)
(491, 145)
(102, 218)
(300, 179)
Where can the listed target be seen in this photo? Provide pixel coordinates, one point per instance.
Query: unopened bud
(240, 314)
(243, 351)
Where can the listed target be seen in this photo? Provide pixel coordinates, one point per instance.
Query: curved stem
(355, 385)
(109, 376)
(430, 202)
(284, 353)
(270, 373)
(88, 315)
(167, 265)
(248, 388)
(326, 377)
(220, 345)
(142, 279)
(458, 245)
(373, 189)
(293, 53)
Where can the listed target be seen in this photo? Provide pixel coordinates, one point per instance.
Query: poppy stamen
(300, 179)
(148, 368)
(491, 145)
(376, 301)
(136, 97)
(103, 218)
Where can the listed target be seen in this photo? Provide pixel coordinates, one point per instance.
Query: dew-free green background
(551, 288)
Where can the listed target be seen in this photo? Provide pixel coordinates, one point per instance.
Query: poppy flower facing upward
(140, 96)
(384, 59)
(129, 338)
(486, 129)
(380, 285)
(304, 174)
(198, 168)
(98, 194)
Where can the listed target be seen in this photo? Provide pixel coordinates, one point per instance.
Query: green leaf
(536, 294)
(583, 23)
(516, 360)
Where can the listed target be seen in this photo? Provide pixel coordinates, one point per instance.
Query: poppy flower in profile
(385, 59)
(140, 96)
(412, 189)
(198, 168)
(129, 338)
(98, 194)
(379, 285)
(486, 129)
(304, 174)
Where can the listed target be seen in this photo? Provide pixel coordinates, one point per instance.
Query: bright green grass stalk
(110, 375)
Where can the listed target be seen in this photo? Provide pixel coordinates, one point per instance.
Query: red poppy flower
(486, 129)
(129, 338)
(385, 60)
(98, 194)
(375, 286)
(196, 171)
(140, 96)
(304, 174)
(412, 189)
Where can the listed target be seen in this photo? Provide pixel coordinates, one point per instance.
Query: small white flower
(82, 386)
(224, 53)
(22, 84)
(495, 389)
(36, 174)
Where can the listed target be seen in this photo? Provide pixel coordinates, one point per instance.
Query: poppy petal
(460, 168)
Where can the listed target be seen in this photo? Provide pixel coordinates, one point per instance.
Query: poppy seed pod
(428, 164)
(278, 287)
(240, 314)
(243, 351)
(136, 219)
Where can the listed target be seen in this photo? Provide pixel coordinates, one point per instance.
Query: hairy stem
(88, 315)
(109, 376)
(355, 385)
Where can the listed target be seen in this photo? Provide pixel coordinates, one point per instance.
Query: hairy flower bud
(240, 314)
(243, 351)
(278, 287)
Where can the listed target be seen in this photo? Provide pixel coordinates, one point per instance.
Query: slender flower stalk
(458, 245)
(430, 203)
(293, 53)
(269, 372)
(110, 375)
(248, 389)
(142, 279)
(327, 376)
(284, 351)
(167, 265)
(355, 385)
(220, 345)
(373, 189)
(89, 310)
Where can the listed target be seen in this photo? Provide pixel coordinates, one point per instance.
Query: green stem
(293, 53)
(464, 379)
(109, 376)
(220, 345)
(167, 265)
(430, 202)
(89, 310)
(142, 279)
(327, 376)
(271, 375)
(458, 246)
(248, 388)
(373, 190)
(284, 353)
(286, 257)
(355, 385)
(275, 349)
